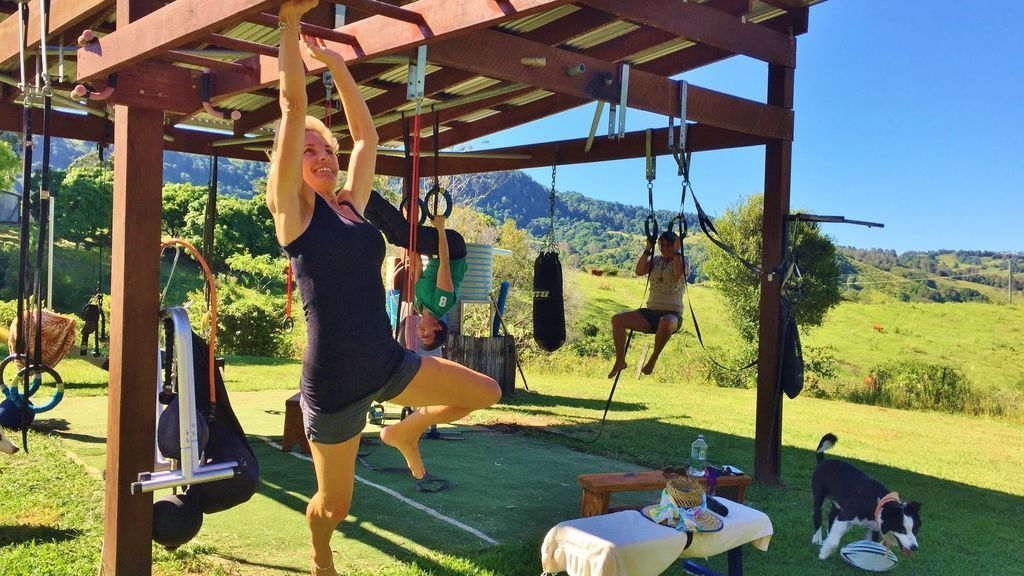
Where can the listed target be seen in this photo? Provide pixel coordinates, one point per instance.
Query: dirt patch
(520, 423)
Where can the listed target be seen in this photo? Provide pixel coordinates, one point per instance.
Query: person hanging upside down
(351, 358)
(663, 314)
(437, 287)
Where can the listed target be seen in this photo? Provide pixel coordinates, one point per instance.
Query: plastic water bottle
(698, 456)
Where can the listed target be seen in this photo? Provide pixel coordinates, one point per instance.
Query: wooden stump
(495, 357)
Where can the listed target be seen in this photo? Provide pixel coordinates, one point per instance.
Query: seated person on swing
(663, 314)
(436, 287)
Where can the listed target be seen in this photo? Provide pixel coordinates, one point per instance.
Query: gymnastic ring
(649, 223)
(376, 414)
(404, 207)
(437, 194)
(289, 324)
(18, 397)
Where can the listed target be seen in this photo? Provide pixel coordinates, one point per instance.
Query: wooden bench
(294, 430)
(598, 488)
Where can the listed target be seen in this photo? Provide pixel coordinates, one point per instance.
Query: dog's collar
(890, 497)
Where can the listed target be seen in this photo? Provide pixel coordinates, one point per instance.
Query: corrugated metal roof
(609, 31)
(658, 51)
(531, 97)
(478, 115)
(534, 21)
(470, 86)
(400, 73)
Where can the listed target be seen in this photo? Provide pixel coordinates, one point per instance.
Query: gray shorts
(337, 427)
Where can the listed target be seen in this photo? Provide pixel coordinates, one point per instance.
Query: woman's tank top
(350, 351)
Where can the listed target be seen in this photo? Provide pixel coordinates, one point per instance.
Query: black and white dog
(859, 500)
(5, 445)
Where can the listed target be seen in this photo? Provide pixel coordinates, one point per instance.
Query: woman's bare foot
(318, 571)
(409, 447)
(619, 366)
(649, 366)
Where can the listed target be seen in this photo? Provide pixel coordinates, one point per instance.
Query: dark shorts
(337, 427)
(653, 317)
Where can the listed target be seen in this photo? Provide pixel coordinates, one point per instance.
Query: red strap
(412, 259)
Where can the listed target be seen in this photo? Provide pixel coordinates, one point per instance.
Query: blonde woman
(351, 358)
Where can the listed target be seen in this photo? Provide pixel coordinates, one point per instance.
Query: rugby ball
(868, 555)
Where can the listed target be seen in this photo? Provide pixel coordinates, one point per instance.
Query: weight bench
(623, 542)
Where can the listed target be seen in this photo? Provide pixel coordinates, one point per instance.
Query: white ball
(868, 555)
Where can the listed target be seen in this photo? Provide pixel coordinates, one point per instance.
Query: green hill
(983, 340)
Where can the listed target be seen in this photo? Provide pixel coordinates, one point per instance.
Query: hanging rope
(411, 256)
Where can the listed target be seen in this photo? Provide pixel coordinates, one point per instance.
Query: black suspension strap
(651, 221)
(26, 214)
(407, 181)
(436, 193)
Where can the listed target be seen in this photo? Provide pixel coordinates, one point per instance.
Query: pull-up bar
(270, 21)
(384, 9)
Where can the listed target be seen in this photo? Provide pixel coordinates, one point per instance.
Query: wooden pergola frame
(479, 83)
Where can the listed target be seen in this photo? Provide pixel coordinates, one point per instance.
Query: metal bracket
(417, 73)
(611, 121)
(624, 93)
(593, 126)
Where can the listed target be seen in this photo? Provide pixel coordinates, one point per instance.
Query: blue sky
(907, 112)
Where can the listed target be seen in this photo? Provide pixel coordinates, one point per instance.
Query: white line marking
(398, 496)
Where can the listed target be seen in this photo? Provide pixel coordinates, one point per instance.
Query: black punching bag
(548, 308)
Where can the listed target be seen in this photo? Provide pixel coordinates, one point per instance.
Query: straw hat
(683, 506)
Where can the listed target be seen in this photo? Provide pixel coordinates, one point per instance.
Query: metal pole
(1009, 282)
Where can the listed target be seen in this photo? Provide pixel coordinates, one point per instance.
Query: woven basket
(59, 334)
(685, 492)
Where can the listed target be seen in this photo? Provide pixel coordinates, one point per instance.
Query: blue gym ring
(439, 194)
(404, 207)
(12, 393)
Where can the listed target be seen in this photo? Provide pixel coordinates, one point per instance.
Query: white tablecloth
(628, 544)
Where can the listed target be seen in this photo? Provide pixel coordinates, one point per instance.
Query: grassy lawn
(514, 477)
(513, 487)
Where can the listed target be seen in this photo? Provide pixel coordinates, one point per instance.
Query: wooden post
(134, 306)
(777, 170)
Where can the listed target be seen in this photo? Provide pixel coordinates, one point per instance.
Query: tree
(178, 201)
(9, 165)
(814, 252)
(83, 207)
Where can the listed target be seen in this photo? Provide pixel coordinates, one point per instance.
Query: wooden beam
(497, 55)
(777, 176)
(393, 130)
(386, 10)
(158, 86)
(134, 303)
(315, 93)
(63, 15)
(706, 25)
(170, 27)
(379, 35)
(699, 137)
(134, 306)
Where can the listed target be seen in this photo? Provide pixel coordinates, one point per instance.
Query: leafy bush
(916, 385)
(248, 322)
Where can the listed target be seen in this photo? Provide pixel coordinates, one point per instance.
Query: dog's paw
(816, 538)
(826, 551)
